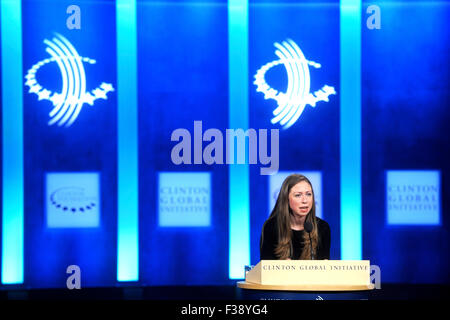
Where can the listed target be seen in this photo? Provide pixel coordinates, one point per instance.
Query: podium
(309, 275)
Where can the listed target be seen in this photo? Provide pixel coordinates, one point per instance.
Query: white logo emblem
(67, 104)
(292, 102)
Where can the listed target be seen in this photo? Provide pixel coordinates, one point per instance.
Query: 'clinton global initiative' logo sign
(413, 197)
(292, 102)
(72, 199)
(67, 104)
(184, 199)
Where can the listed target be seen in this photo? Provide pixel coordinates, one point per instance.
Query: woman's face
(301, 198)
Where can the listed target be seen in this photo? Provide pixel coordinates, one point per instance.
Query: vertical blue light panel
(239, 185)
(12, 107)
(350, 126)
(127, 135)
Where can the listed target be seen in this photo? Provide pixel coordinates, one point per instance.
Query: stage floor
(229, 292)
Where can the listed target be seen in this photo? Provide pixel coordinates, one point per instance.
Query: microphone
(308, 228)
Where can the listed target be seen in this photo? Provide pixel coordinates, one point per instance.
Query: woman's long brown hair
(281, 212)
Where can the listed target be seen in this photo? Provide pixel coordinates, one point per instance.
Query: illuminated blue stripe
(127, 144)
(239, 185)
(350, 126)
(12, 108)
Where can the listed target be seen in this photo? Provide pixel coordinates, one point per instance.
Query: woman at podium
(292, 230)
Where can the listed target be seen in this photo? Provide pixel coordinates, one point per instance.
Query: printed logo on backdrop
(413, 197)
(292, 103)
(72, 200)
(69, 100)
(184, 199)
(276, 180)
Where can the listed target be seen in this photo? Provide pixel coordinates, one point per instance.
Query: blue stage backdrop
(70, 162)
(312, 142)
(405, 99)
(183, 77)
(70, 135)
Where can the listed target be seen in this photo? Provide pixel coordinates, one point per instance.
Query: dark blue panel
(312, 143)
(88, 145)
(182, 56)
(405, 116)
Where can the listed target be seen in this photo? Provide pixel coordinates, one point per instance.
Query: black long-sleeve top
(270, 241)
